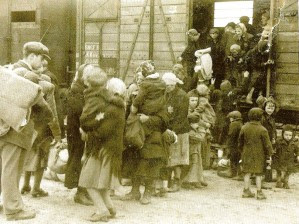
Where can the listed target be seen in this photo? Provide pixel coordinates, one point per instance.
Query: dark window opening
(23, 16)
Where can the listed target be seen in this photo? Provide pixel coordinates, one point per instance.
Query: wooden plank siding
(287, 61)
(175, 12)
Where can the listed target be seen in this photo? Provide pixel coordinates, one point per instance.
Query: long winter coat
(232, 139)
(75, 102)
(103, 119)
(285, 156)
(255, 147)
(177, 103)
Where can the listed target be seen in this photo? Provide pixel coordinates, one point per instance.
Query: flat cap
(36, 48)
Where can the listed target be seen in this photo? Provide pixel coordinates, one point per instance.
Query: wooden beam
(151, 30)
(134, 41)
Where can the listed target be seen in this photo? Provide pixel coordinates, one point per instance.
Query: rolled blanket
(17, 96)
(204, 63)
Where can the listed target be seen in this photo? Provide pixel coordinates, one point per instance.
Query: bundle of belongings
(17, 96)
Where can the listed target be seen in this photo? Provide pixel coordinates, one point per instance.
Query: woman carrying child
(102, 122)
(149, 105)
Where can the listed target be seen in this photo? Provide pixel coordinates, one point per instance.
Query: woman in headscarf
(177, 103)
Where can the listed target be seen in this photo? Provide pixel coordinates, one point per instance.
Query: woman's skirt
(98, 172)
(179, 152)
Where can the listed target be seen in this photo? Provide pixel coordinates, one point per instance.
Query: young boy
(235, 126)
(256, 148)
(284, 160)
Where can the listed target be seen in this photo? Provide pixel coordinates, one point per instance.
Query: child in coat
(197, 134)
(208, 118)
(256, 148)
(268, 121)
(287, 152)
(235, 126)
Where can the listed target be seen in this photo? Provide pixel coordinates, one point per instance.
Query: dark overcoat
(285, 156)
(255, 147)
(75, 102)
(177, 103)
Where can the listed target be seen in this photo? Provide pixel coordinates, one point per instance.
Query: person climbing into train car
(188, 59)
(217, 54)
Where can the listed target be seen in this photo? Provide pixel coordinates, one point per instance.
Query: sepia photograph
(149, 111)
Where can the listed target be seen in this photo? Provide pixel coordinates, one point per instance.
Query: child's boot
(146, 199)
(134, 194)
(176, 186)
(25, 189)
(247, 194)
(286, 185)
(279, 184)
(260, 195)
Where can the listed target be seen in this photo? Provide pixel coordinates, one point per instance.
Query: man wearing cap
(14, 144)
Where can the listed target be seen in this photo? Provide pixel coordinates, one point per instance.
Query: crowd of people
(156, 132)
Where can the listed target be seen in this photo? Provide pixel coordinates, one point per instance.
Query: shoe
(163, 192)
(25, 189)
(286, 185)
(260, 195)
(82, 199)
(197, 185)
(175, 187)
(112, 212)
(279, 184)
(266, 186)
(39, 193)
(146, 199)
(98, 217)
(188, 186)
(247, 194)
(203, 183)
(133, 195)
(238, 178)
(22, 215)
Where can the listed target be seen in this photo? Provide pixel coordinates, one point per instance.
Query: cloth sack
(17, 96)
(134, 132)
(204, 64)
(58, 159)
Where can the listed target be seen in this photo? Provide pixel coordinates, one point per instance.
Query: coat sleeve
(241, 140)
(266, 143)
(139, 99)
(233, 134)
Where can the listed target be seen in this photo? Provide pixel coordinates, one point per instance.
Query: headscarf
(170, 79)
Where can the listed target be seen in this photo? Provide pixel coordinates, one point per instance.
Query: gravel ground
(220, 202)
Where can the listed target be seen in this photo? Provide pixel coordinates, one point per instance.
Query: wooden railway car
(119, 34)
(48, 21)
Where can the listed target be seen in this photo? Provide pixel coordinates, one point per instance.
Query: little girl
(284, 160)
(268, 121)
(255, 146)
